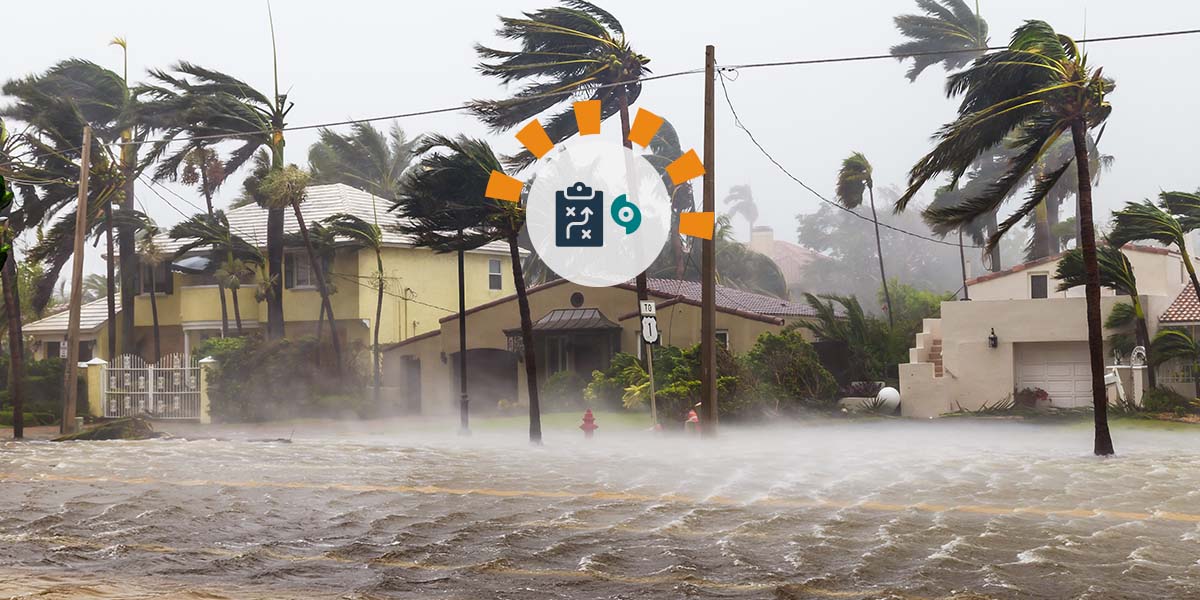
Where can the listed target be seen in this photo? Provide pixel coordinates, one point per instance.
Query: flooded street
(818, 510)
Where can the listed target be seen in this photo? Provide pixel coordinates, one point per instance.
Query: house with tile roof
(421, 286)
(576, 329)
(1040, 336)
(793, 260)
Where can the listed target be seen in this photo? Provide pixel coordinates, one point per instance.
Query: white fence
(169, 389)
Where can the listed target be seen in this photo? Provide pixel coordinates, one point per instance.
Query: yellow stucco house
(422, 287)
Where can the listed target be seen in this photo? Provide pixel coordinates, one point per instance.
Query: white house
(1040, 336)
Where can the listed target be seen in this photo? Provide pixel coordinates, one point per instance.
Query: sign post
(650, 336)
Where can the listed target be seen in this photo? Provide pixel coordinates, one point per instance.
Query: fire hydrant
(589, 424)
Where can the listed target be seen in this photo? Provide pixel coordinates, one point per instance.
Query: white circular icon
(597, 214)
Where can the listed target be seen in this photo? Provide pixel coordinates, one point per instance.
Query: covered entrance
(578, 340)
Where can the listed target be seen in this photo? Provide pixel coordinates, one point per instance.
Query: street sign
(650, 330)
(646, 308)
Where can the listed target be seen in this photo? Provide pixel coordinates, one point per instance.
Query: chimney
(762, 238)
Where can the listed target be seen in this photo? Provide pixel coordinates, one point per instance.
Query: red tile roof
(1185, 308)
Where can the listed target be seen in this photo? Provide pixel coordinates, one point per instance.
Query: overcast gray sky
(358, 59)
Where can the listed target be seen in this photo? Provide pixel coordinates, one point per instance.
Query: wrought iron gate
(169, 389)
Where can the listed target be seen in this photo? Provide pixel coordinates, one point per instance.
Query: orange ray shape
(587, 116)
(534, 138)
(697, 224)
(503, 187)
(685, 167)
(645, 125)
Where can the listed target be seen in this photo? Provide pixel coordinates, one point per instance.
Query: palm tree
(1116, 273)
(1173, 343)
(842, 319)
(572, 51)
(1144, 221)
(853, 178)
(225, 248)
(365, 158)
(1037, 89)
(153, 256)
(202, 167)
(742, 200)
(95, 287)
(208, 107)
(664, 150)
(289, 187)
(444, 192)
(12, 307)
(366, 235)
(951, 34)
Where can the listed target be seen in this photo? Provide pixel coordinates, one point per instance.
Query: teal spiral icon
(626, 214)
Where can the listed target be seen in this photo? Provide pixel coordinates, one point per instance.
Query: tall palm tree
(207, 107)
(445, 191)
(203, 168)
(12, 307)
(1173, 343)
(1038, 88)
(1140, 221)
(951, 34)
(366, 235)
(289, 187)
(212, 231)
(853, 179)
(1116, 273)
(365, 158)
(740, 200)
(572, 51)
(151, 255)
(664, 150)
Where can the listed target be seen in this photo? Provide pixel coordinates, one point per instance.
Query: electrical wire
(738, 121)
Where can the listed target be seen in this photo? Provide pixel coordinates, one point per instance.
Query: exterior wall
(1158, 274)
(976, 374)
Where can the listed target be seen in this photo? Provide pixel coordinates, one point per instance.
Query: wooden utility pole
(71, 379)
(464, 401)
(708, 259)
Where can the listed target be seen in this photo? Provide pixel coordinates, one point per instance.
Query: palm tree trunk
(154, 315)
(640, 280)
(275, 325)
(1052, 241)
(16, 345)
(319, 271)
(464, 401)
(1041, 232)
(1103, 443)
(994, 253)
(378, 320)
(677, 248)
(962, 260)
(887, 296)
(237, 312)
(1143, 335)
(127, 253)
(535, 411)
(110, 286)
(1191, 269)
(224, 310)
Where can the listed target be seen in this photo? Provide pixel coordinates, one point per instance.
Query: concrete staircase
(935, 357)
(922, 380)
(928, 347)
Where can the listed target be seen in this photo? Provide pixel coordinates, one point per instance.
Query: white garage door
(1062, 369)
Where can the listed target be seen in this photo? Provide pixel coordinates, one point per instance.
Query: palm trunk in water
(378, 318)
(1103, 443)
(535, 411)
(16, 375)
(319, 271)
(110, 286)
(237, 312)
(275, 326)
(887, 296)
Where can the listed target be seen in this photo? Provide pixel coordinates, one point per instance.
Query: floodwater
(820, 510)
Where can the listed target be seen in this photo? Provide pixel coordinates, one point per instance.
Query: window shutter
(289, 271)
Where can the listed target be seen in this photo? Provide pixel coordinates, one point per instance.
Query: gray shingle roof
(92, 317)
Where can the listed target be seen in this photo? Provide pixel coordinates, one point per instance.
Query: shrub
(861, 389)
(562, 391)
(1030, 397)
(786, 367)
(257, 380)
(32, 419)
(1161, 399)
(43, 389)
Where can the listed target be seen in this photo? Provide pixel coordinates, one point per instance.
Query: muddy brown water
(865, 510)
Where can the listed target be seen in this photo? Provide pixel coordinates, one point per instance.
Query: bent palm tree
(948, 33)
(212, 230)
(447, 190)
(366, 235)
(1037, 89)
(853, 178)
(1144, 221)
(365, 158)
(209, 107)
(1116, 273)
(742, 200)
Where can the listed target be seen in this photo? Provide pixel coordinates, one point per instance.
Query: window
(495, 281)
(298, 271)
(723, 338)
(1039, 286)
(162, 278)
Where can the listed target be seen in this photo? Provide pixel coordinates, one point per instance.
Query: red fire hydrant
(589, 424)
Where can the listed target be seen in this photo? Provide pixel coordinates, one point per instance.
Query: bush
(32, 419)
(562, 391)
(1030, 397)
(607, 387)
(1161, 399)
(43, 388)
(258, 380)
(786, 368)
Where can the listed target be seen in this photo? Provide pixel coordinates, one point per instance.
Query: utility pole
(72, 371)
(464, 401)
(708, 264)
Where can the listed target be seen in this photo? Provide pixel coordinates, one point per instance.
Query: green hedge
(43, 389)
(32, 419)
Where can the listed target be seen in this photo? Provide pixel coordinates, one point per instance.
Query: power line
(738, 121)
